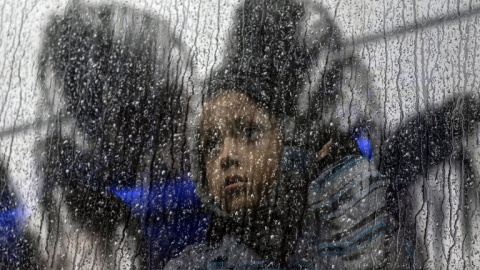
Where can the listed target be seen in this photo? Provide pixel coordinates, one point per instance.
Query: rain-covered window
(253, 134)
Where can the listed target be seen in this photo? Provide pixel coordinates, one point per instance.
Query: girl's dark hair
(270, 56)
(266, 61)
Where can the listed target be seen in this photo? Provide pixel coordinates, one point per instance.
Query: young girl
(257, 159)
(265, 210)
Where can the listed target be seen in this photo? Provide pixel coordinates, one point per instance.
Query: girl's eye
(211, 144)
(251, 132)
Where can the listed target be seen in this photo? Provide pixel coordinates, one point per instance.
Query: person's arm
(428, 138)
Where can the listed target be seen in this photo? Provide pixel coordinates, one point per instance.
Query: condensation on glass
(243, 135)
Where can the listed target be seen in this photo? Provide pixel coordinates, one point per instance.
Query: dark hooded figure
(285, 191)
(112, 78)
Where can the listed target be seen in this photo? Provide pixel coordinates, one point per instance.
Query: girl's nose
(228, 155)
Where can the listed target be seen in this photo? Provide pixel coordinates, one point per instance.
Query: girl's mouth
(235, 182)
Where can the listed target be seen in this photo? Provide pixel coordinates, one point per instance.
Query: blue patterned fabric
(352, 225)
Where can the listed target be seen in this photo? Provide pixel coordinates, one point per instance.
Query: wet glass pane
(269, 134)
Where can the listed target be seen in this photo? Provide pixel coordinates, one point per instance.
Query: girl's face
(242, 145)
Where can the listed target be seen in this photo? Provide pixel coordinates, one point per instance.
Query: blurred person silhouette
(274, 156)
(112, 78)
